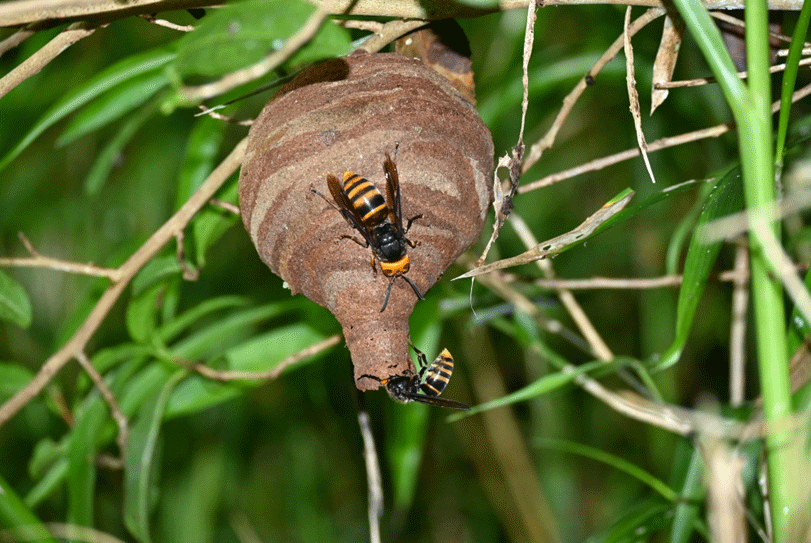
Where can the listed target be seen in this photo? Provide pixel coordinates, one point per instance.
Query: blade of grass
(751, 108)
(795, 51)
(142, 453)
(614, 461)
(21, 523)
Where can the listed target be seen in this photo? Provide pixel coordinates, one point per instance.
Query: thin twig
(663, 143)
(37, 260)
(228, 206)
(610, 283)
(273, 373)
(705, 80)
(261, 68)
(633, 95)
(127, 271)
(189, 273)
(389, 32)
(669, 417)
(15, 39)
(33, 64)
(538, 148)
(734, 21)
(737, 333)
(725, 497)
(374, 479)
(166, 24)
(118, 415)
(502, 198)
(598, 345)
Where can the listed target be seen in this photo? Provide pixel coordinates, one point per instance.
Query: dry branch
(55, 12)
(33, 64)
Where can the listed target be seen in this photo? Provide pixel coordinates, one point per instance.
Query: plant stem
(750, 106)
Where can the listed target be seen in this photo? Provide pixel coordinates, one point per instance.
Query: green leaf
(638, 523)
(46, 453)
(260, 353)
(726, 198)
(48, 484)
(113, 105)
(140, 481)
(202, 149)
(215, 338)
(688, 509)
(116, 74)
(212, 222)
(107, 359)
(13, 378)
(615, 462)
(142, 311)
(170, 330)
(542, 386)
(243, 33)
(20, 522)
(107, 157)
(15, 306)
(155, 271)
(81, 457)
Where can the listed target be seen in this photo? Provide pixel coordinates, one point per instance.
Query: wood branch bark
(47, 13)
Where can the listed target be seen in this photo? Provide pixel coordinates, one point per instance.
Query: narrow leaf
(121, 71)
(239, 34)
(110, 153)
(726, 198)
(113, 105)
(142, 460)
(13, 378)
(15, 306)
(19, 521)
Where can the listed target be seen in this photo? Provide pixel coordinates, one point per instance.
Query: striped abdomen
(366, 199)
(438, 374)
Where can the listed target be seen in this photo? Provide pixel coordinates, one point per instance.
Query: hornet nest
(345, 115)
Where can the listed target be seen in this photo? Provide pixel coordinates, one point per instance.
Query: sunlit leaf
(243, 33)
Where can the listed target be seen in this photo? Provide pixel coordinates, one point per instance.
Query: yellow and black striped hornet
(430, 380)
(379, 220)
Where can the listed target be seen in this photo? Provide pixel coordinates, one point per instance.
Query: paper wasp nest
(345, 115)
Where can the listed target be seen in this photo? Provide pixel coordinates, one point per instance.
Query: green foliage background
(283, 459)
